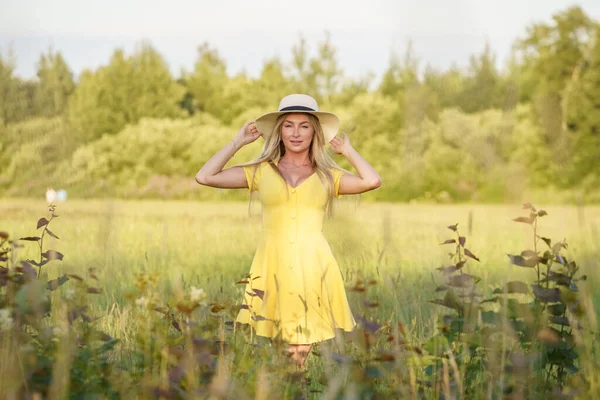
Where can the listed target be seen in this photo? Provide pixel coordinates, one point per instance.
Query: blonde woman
(296, 290)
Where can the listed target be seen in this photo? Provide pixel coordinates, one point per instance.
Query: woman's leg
(299, 353)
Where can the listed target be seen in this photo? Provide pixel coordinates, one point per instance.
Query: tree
(448, 86)
(483, 83)
(318, 76)
(7, 88)
(326, 70)
(272, 85)
(206, 82)
(546, 62)
(401, 84)
(16, 95)
(55, 84)
(582, 109)
(549, 53)
(352, 88)
(124, 91)
(401, 74)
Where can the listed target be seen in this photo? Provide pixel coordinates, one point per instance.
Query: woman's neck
(296, 158)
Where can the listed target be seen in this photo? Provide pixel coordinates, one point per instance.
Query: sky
(248, 32)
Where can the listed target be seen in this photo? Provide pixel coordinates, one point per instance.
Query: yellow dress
(295, 288)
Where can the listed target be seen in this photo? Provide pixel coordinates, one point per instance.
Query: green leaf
(546, 295)
(453, 227)
(31, 238)
(519, 326)
(32, 298)
(514, 287)
(450, 300)
(489, 317)
(372, 372)
(56, 283)
(524, 262)
(49, 232)
(561, 356)
(490, 300)
(559, 245)
(462, 280)
(528, 206)
(437, 345)
(525, 220)
(462, 240)
(108, 345)
(547, 241)
(542, 213)
(449, 241)
(559, 278)
(560, 320)
(557, 309)
(469, 254)
(42, 222)
(259, 293)
(53, 255)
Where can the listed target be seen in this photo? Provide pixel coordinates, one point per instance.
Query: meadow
(166, 248)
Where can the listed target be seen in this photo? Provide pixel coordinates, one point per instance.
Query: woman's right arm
(213, 174)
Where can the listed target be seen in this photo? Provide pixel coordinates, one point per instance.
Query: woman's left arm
(367, 179)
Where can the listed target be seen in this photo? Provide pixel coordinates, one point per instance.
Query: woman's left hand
(341, 145)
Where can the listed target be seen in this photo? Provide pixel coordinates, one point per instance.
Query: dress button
(292, 241)
(293, 215)
(294, 190)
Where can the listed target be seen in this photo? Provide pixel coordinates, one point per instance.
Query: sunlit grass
(211, 245)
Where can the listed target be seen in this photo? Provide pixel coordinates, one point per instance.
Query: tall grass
(162, 250)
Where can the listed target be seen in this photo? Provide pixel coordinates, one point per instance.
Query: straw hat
(299, 103)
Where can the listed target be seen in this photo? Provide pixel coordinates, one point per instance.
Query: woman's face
(297, 132)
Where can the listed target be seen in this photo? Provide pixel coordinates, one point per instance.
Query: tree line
(131, 129)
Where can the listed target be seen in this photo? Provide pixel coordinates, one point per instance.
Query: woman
(295, 290)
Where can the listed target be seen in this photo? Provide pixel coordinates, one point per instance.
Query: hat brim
(330, 123)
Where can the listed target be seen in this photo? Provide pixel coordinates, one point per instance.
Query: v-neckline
(297, 185)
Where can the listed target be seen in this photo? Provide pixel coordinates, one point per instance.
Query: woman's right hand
(248, 134)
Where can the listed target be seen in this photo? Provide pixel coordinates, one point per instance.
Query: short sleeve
(252, 178)
(337, 176)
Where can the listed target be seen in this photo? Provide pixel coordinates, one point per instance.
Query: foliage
(16, 95)
(519, 342)
(55, 84)
(178, 341)
(58, 347)
(473, 133)
(33, 150)
(581, 107)
(152, 158)
(122, 92)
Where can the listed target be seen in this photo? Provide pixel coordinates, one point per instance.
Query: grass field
(211, 245)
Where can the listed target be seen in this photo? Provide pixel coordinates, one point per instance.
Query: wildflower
(69, 293)
(142, 302)
(50, 195)
(198, 295)
(6, 320)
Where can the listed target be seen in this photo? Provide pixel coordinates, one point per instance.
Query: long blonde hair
(321, 161)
